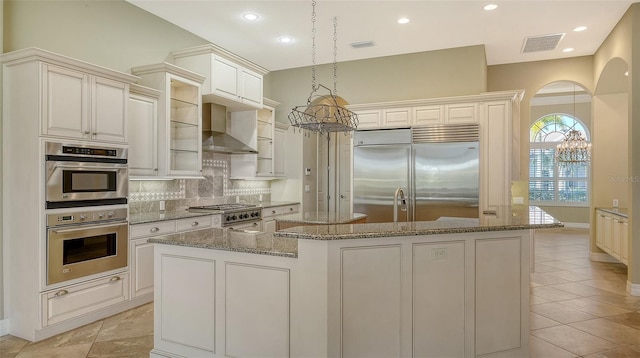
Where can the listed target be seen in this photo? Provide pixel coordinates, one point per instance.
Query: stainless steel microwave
(82, 175)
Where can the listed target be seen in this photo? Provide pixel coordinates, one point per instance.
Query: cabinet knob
(273, 211)
(61, 293)
(85, 132)
(195, 223)
(155, 229)
(115, 278)
(290, 209)
(95, 133)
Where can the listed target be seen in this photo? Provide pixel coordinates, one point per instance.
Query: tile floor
(579, 308)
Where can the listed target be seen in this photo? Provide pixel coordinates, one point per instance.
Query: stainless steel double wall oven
(86, 196)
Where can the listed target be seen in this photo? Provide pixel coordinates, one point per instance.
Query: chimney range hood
(214, 136)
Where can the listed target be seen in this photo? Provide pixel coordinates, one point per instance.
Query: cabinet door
(624, 242)
(600, 229)
(617, 231)
(143, 135)
(65, 106)
(495, 156)
(251, 87)
(427, 115)
(369, 119)
(269, 225)
(264, 129)
(109, 110)
(396, 117)
(278, 152)
(225, 78)
(608, 234)
(141, 267)
(185, 146)
(461, 113)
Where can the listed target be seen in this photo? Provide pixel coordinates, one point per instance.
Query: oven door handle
(64, 231)
(84, 166)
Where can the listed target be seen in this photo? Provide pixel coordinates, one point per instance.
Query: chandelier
(574, 149)
(323, 113)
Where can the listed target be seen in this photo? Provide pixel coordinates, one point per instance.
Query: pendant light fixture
(574, 150)
(323, 113)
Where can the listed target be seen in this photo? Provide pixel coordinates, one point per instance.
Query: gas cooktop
(232, 213)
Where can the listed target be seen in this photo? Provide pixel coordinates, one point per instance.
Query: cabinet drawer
(195, 223)
(267, 212)
(290, 209)
(153, 229)
(66, 303)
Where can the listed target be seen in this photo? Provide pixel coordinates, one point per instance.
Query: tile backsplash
(215, 188)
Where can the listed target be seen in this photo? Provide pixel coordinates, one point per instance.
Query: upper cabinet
(257, 129)
(73, 99)
(179, 126)
(230, 80)
(143, 131)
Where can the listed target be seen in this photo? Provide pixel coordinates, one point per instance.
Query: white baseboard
(577, 225)
(602, 257)
(4, 327)
(633, 289)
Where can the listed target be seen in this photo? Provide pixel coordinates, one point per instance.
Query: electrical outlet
(161, 205)
(615, 203)
(307, 188)
(518, 200)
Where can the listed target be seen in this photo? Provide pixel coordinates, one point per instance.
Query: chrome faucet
(403, 204)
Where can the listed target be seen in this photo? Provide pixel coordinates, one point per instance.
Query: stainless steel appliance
(84, 175)
(437, 167)
(235, 216)
(86, 242)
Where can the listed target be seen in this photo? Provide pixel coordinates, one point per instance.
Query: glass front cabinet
(179, 118)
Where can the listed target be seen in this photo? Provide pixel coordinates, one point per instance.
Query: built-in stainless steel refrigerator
(436, 166)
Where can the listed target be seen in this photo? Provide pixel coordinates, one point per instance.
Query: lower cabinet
(73, 301)
(269, 215)
(612, 235)
(141, 252)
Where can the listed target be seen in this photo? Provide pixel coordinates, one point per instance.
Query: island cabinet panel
(371, 301)
(439, 296)
(256, 311)
(499, 309)
(188, 315)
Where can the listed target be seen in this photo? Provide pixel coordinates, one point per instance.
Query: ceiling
(433, 25)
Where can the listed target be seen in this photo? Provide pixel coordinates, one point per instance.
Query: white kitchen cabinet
(50, 97)
(179, 118)
(143, 131)
(63, 304)
(141, 252)
(397, 117)
(270, 214)
(256, 129)
(612, 235)
(428, 115)
(230, 80)
(279, 162)
(80, 105)
(369, 118)
(461, 113)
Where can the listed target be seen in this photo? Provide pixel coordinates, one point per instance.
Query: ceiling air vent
(541, 43)
(361, 44)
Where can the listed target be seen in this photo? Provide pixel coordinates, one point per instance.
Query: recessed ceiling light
(568, 49)
(490, 7)
(403, 20)
(250, 16)
(580, 28)
(285, 39)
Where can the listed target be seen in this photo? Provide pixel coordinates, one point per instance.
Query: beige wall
(113, 34)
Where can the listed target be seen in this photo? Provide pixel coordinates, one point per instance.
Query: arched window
(550, 183)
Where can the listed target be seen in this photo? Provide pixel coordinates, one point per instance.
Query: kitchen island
(446, 288)
(318, 218)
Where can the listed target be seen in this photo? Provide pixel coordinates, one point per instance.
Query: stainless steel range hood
(214, 136)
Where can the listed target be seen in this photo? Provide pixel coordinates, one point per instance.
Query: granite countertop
(254, 242)
(624, 212)
(154, 216)
(271, 204)
(320, 217)
(506, 218)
